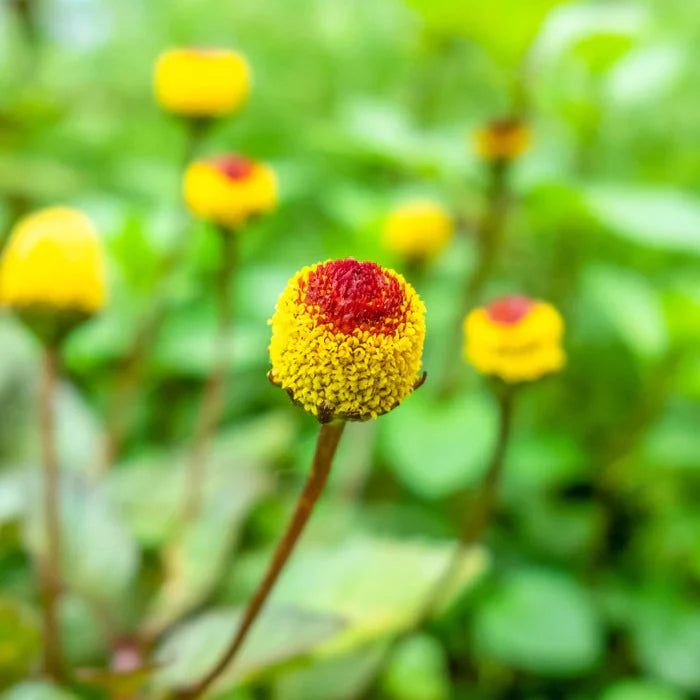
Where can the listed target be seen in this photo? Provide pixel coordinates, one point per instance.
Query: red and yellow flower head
(53, 261)
(201, 83)
(515, 338)
(418, 229)
(228, 190)
(503, 140)
(347, 339)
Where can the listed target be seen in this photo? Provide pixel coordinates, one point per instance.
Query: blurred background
(588, 583)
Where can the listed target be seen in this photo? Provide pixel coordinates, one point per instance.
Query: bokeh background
(588, 584)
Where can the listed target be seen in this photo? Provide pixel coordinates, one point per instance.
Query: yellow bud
(515, 339)
(503, 140)
(418, 229)
(230, 189)
(53, 260)
(201, 82)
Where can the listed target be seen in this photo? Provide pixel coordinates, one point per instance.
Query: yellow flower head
(53, 260)
(201, 82)
(502, 140)
(418, 229)
(515, 338)
(347, 339)
(228, 190)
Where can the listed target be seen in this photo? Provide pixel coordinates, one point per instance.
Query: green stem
(212, 405)
(50, 565)
(328, 439)
(132, 369)
(489, 242)
(472, 532)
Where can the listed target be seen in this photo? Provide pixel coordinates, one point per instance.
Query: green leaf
(20, 640)
(418, 670)
(539, 621)
(640, 689)
(504, 27)
(99, 556)
(36, 690)
(631, 304)
(666, 636)
(377, 585)
(662, 219)
(450, 441)
(280, 634)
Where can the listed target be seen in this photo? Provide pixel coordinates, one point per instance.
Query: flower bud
(201, 83)
(503, 140)
(515, 338)
(229, 190)
(347, 340)
(418, 230)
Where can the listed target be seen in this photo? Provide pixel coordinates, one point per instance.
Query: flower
(515, 338)
(347, 339)
(53, 260)
(229, 189)
(418, 229)
(503, 140)
(201, 82)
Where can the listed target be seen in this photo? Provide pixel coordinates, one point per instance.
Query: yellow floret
(201, 82)
(53, 259)
(418, 229)
(355, 376)
(519, 352)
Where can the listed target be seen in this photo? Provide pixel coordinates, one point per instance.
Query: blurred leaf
(504, 27)
(99, 556)
(138, 259)
(417, 670)
(149, 490)
(20, 640)
(673, 442)
(599, 33)
(640, 689)
(663, 219)
(37, 691)
(435, 461)
(666, 637)
(539, 621)
(280, 634)
(376, 585)
(632, 306)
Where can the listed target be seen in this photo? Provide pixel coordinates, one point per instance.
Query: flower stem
(212, 405)
(481, 515)
(131, 373)
(328, 439)
(489, 241)
(50, 563)
(472, 532)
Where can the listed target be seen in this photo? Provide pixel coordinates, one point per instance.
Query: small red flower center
(234, 167)
(354, 295)
(507, 311)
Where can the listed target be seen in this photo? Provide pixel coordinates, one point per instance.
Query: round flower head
(515, 338)
(347, 340)
(418, 229)
(201, 82)
(502, 140)
(53, 261)
(228, 190)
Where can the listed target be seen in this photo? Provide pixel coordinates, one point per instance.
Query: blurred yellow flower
(347, 339)
(53, 260)
(418, 229)
(502, 140)
(230, 189)
(515, 338)
(201, 82)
